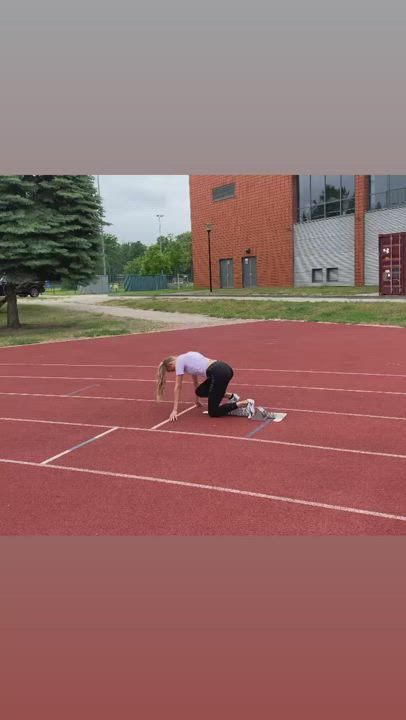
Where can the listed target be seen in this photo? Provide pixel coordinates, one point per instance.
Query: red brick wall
(260, 217)
(361, 206)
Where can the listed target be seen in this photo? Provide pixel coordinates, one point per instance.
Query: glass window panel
(379, 184)
(379, 201)
(397, 185)
(317, 211)
(379, 191)
(397, 181)
(347, 186)
(332, 187)
(317, 275)
(348, 206)
(224, 192)
(317, 189)
(397, 196)
(333, 208)
(332, 274)
(304, 190)
(304, 214)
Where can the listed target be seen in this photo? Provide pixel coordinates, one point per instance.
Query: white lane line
(321, 372)
(271, 370)
(280, 442)
(224, 437)
(76, 447)
(82, 390)
(220, 489)
(75, 365)
(155, 427)
(251, 385)
(69, 377)
(88, 397)
(344, 414)
(149, 400)
(55, 422)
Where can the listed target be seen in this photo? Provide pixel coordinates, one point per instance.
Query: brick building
(290, 230)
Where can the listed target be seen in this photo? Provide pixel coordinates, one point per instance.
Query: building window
(317, 275)
(224, 192)
(332, 274)
(387, 191)
(324, 196)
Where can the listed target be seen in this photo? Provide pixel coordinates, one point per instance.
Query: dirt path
(94, 304)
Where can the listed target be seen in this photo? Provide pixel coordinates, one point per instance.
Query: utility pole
(209, 229)
(160, 234)
(101, 231)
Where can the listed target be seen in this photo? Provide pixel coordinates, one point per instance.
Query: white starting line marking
(76, 447)
(155, 427)
(216, 488)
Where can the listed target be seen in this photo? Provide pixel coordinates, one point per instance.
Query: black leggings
(214, 388)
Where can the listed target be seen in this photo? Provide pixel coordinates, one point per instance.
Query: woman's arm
(178, 388)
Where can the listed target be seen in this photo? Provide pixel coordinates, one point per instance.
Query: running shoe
(250, 409)
(234, 397)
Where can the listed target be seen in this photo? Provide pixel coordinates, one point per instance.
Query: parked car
(31, 287)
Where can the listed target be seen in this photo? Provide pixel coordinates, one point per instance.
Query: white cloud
(132, 202)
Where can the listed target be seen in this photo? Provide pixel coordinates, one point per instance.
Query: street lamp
(159, 222)
(208, 228)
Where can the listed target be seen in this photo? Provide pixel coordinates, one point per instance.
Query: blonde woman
(218, 375)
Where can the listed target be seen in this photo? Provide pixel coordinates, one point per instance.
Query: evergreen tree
(50, 229)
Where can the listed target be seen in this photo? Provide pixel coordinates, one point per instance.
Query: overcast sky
(132, 202)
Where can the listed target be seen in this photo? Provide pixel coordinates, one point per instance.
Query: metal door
(226, 273)
(392, 257)
(249, 271)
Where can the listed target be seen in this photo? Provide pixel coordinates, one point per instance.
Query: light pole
(159, 223)
(101, 231)
(208, 228)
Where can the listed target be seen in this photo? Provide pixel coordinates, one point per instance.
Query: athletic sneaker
(250, 409)
(239, 412)
(234, 397)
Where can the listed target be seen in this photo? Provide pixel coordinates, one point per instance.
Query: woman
(218, 375)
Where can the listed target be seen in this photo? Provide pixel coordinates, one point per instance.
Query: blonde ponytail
(161, 376)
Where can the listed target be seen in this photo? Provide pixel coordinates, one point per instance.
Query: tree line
(169, 255)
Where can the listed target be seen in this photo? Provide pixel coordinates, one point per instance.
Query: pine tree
(50, 229)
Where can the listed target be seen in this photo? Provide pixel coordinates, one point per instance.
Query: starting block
(272, 416)
(261, 414)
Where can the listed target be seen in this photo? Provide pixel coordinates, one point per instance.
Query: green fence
(136, 283)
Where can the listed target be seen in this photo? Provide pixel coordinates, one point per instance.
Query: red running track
(335, 465)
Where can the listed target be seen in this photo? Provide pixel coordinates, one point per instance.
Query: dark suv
(30, 287)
